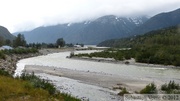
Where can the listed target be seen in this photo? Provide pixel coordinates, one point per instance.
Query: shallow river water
(91, 92)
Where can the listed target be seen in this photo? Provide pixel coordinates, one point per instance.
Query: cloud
(20, 15)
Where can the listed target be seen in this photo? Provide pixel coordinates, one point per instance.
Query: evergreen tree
(60, 42)
(1, 41)
(20, 41)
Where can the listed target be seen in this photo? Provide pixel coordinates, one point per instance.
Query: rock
(9, 64)
(126, 62)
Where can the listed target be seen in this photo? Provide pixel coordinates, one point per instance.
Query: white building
(6, 48)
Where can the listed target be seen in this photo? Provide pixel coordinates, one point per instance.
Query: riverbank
(96, 78)
(53, 50)
(127, 62)
(62, 71)
(9, 63)
(109, 81)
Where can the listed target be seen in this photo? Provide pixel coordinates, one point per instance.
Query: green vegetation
(110, 53)
(171, 88)
(124, 91)
(19, 47)
(38, 83)
(29, 88)
(167, 36)
(19, 41)
(4, 73)
(20, 51)
(60, 42)
(3, 53)
(149, 89)
(156, 47)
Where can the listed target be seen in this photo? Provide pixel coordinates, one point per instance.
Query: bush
(124, 91)
(149, 89)
(36, 82)
(22, 90)
(4, 73)
(68, 97)
(20, 51)
(171, 88)
(71, 54)
(2, 55)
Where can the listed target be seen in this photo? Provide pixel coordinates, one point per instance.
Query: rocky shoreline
(9, 63)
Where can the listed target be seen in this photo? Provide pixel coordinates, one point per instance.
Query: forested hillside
(159, 47)
(166, 36)
(5, 34)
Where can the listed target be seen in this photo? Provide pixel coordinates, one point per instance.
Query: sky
(24, 15)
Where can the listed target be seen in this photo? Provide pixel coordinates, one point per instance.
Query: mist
(24, 15)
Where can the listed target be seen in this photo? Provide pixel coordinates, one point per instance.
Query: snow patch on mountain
(69, 24)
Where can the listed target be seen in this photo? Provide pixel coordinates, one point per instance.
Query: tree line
(156, 47)
(20, 41)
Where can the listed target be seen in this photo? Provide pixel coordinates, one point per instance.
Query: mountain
(155, 47)
(87, 32)
(5, 33)
(166, 36)
(159, 21)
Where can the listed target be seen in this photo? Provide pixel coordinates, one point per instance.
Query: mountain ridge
(159, 21)
(87, 32)
(145, 38)
(5, 34)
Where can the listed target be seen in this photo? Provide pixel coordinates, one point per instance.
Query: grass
(29, 89)
(17, 90)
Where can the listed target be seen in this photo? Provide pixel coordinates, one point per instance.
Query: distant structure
(6, 48)
(77, 46)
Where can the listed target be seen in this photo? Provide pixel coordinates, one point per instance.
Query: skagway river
(92, 92)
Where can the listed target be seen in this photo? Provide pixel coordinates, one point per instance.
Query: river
(93, 92)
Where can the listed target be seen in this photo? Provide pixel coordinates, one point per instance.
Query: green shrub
(22, 90)
(20, 51)
(2, 55)
(36, 82)
(4, 73)
(171, 88)
(149, 89)
(68, 97)
(124, 91)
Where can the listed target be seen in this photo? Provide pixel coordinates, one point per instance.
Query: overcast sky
(21, 15)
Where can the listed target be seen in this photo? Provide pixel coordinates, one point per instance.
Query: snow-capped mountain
(87, 32)
(159, 21)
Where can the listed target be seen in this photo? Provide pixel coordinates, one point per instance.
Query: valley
(89, 50)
